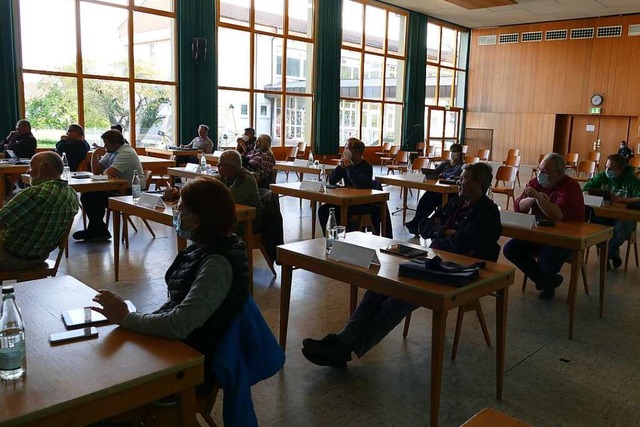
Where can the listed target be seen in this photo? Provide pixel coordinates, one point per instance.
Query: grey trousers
(372, 320)
(10, 262)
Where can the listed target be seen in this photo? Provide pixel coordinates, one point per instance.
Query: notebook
(605, 194)
(14, 160)
(82, 317)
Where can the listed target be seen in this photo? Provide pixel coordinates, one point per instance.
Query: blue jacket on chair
(247, 354)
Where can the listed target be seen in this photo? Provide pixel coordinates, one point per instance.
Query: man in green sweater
(620, 179)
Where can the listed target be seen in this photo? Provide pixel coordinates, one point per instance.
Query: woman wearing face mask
(207, 282)
(430, 201)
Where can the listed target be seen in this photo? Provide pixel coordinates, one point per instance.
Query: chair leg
(268, 259)
(524, 283)
(584, 279)
(635, 252)
(407, 322)
(149, 227)
(456, 335)
(125, 231)
(135, 230)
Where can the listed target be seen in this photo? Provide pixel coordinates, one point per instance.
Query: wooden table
(183, 173)
(301, 170)
(124, 206)
(7, 169)
(310, 255)
(169, 153)
(618, 211)
(156, 164)
(86, 185)
(83, 382)
(342, 197)
(428, 185)
(575, 237)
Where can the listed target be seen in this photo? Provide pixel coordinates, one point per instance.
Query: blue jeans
(621, 231)
(548, 263)
(375, 316)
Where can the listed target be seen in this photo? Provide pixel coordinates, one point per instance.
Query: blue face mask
(610, 173)
(177, 224)
(543, 179)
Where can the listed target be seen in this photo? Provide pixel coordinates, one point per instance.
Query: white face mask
(245, 138)
(347, 154)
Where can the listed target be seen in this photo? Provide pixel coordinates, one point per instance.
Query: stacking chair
(126, 219)
(400, 163)
(446, 156)
(572, 161)
(484, 155)
(634, 162)
(464, 148)
(471, 159)
(513, 152)
(431, 152)
(633, 240)
(419, 164)
(586, 168)
(594, 156)
(420, 147)
(302, 150)
(390, 157)
(583, 270)
(515, 162)
(386, 147)
(290, 155)
(506, 175)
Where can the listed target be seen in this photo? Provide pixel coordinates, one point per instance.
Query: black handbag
(439, 271)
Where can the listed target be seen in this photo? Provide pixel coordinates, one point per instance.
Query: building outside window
(105, 64)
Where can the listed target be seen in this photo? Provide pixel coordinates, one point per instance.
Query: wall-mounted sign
(591, 128)
(595, 110)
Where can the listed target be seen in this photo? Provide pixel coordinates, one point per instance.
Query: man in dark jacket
(74, 146)
(21, 141)
(469, 225)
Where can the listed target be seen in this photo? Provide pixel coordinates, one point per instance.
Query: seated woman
(207, 282)
(261, 160)
(430, 201)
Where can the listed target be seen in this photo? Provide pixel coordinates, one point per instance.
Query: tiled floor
(592, 380)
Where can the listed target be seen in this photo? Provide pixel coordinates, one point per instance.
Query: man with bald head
(551, 195)
(33, 222)
(239, 181)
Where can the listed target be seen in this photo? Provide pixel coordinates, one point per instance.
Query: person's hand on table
(113, 307)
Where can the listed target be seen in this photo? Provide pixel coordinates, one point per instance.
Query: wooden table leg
(604, 255)
(573, 286)
(344, 215)
(248, 238)
(285, 299)
(313, 204)
(353, 298)
(384, 219)
(188, 408)
(405, 195)
(438, 330)
(116, 242)
(445, 198)
(502, 300)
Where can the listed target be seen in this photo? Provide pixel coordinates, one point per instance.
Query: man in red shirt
(551, 195)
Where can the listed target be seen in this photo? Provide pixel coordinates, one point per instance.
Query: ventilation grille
(556, 35)
(582, 33)
(613, 31)
(509, 38)
(534, 36)
(634, 30)
(487, 40)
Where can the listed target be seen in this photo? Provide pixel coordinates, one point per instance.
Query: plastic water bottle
(13, 350)
(323, 179)
(310, 161)
(203, 164)
(332, 234)
(135, 186)
(66, 171)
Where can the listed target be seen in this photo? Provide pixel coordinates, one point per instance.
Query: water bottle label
(11, 357)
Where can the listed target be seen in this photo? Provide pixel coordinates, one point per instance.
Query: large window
(99, 64)
(265, 51)
(372, 72)
(445, 84)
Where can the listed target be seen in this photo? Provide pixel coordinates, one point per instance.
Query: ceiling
(526, 11)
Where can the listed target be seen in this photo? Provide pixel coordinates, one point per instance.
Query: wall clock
(597, 100)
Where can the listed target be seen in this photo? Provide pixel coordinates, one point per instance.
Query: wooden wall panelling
(612, 131)
(581, 140)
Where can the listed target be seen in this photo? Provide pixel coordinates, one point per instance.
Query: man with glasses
(74, 146)
(619, 178)
(554, 196)
(21, 141)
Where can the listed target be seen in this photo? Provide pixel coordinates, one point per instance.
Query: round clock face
(596, 100)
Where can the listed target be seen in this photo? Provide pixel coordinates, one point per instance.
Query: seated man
(33, 222)
(119, 161)
(620, 179)
(625, 151)
(21, 141)
(247, 142)
(240, 182)
(261, 160)
(74, 146)
(200, 142)
(551, 195)
(469, 225)
(429, 201)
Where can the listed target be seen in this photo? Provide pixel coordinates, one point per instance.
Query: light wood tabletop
(310, 255)
(86, 184)
(405, 182)
(618, 211)
(172, 153)
(7, 169)
(124, 206)
(82, 382)
(156, 164)
(575, 237)
(302, 169)
(343, 197)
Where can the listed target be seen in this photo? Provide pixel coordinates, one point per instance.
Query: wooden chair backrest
(420, 163)
(571, 158)
(594, 156)
(513, 161)
(302, 146)
(513, 152)
(386, 146)
(291, 153)
(471, 159)
(147, 179)
(420, 146)
(446, 155)
(634, 162)
(402, 157)
(484, 155)
(587, 167)
(506, 174)
(393, 150)
(464, 149)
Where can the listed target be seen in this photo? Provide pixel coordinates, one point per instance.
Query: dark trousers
(428, 203)
(372, 320)
(183, 160)
(373, 210)
(523, 255)
(95, 205)
(621, 231)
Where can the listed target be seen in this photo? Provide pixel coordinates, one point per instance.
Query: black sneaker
(616, 261)
(87, 236)
(79, 235)
(547, 294)
(412, 227)
(552, 282)
(329, 351)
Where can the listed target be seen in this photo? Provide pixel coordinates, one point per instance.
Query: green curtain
(197, 80)
(9, 113)
(414, 81)
(327, 76)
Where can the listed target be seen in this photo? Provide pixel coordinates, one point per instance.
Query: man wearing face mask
(247, 142)
(625, 151)
(430, 201)
(116, 160)
(620, 179)
(32, 223)
(551, 195)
